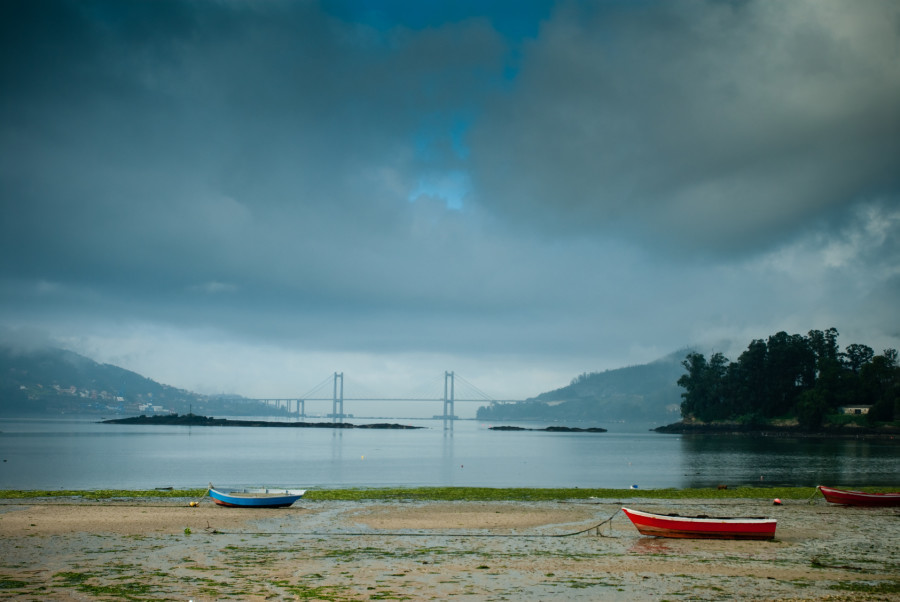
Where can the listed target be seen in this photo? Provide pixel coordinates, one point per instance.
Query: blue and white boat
(255, 498)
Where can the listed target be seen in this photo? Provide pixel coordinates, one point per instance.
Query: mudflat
(145, 549)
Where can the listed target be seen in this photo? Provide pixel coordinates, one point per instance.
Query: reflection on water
(711, 460)
(82, 454)
(650, 546)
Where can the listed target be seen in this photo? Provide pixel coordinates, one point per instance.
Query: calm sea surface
(83, 454)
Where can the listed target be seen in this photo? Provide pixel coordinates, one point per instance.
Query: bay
(80, 453)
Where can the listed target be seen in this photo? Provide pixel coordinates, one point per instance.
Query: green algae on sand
(448, 493)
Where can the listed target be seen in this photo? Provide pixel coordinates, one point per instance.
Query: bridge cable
(315, 389)
(474, 388)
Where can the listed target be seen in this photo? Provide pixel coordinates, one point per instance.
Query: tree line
(791, 376)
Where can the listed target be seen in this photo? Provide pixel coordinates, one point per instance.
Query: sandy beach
(164, 549)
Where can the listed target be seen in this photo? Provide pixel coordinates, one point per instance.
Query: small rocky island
(550, 429)
(194, 420)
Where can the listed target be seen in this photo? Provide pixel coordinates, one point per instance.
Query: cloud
(300, 187)
(262, 146)
(213, 288)
(716, 127)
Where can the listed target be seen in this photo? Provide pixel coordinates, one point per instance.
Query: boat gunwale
(260, 493)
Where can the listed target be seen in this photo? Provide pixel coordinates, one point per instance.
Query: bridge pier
(337, 403)
(449, 399)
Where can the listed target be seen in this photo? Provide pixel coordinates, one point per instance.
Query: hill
(647, 393)
(57, 381)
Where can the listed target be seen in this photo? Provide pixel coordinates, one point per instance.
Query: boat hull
(256, 498)
(859, 498)
(659, 525)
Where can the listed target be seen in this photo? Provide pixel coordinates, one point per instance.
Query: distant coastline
(194, 420)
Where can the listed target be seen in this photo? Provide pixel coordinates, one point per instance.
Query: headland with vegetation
(792, 384)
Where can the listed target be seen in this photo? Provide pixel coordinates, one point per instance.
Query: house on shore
(857, 409)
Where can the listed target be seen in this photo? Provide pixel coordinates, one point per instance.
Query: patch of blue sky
(450, 186)
(440, 146)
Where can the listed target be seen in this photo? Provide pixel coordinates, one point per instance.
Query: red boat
(859, 498)
(701, 527)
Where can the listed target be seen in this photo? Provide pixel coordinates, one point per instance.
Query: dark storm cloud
(250, 168)
(719, 127)
(158, 147)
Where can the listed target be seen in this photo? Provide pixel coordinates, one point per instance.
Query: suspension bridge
(297, 405)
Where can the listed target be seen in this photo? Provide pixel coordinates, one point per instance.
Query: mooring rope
(809, 500)
(202, 497)
(597, 527)
(214, 531)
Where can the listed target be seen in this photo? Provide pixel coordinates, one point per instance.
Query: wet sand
(164, 549)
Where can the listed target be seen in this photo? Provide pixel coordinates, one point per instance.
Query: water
(80, 453)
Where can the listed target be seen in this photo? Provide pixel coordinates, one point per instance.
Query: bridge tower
(337, 403)
(449, 398)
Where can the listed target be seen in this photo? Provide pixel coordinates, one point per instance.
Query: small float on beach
(701, 527)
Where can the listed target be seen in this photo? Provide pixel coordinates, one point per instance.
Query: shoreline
(159, 547)
(738, 429)
(459, 493)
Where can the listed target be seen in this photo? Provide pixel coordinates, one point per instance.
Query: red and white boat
(859, 498)
(701, 527)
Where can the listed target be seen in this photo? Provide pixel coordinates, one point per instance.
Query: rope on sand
(596, 527)
(809, 500)
(196, 502)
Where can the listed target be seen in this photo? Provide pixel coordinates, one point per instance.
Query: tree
(879, 386)
(703, 398)
(856, 356)
(790, 370)
(718, 407)
(694, 396)
(824, 346)
(748, 381)
(812, 408)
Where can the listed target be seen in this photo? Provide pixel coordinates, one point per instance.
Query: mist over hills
(57, 381)
(646, 392)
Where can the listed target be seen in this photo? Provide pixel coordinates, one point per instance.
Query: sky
(235, 196)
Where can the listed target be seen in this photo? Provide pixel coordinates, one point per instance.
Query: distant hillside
(637, 393)
(55, 381)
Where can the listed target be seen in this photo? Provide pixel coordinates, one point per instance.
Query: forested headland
(793, 378)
